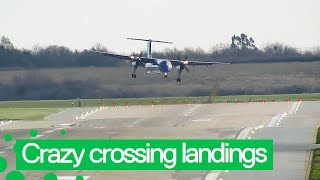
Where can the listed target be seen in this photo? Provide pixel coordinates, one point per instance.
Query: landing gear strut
(134, 75)
(179, 73)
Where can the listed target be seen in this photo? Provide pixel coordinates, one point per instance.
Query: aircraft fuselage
(164, 66)
(159, 65)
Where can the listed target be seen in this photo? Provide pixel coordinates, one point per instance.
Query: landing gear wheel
(165, 76)
(133, 76)
(178, 80)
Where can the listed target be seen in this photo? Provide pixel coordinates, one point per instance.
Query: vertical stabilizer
(149, 44)
(149, 55)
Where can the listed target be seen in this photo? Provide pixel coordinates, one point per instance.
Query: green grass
(26, 113)
(34, 110)
(318, 137)
(315, 164)
(156, 100)
(116, 82)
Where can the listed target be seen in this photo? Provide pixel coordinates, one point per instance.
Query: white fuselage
(161, 65)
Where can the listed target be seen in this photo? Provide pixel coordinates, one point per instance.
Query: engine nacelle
(134, 63)
(178, 67)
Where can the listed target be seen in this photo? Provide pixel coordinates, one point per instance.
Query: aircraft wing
(194, 63)
(131, 58)
(113, 55)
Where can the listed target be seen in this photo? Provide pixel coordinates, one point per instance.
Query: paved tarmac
(293, 141)
(183, 121)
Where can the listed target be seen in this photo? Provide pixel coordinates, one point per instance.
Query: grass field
(157, 101)
(315, 164)
(26, 113)
(107, 82)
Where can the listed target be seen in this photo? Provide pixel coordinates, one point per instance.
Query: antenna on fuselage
(150, 41)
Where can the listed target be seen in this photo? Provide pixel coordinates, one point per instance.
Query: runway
(293, 141)
(291, 133)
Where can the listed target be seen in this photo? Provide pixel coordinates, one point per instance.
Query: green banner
(143, 154)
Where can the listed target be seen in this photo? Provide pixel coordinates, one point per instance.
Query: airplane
(161, 65)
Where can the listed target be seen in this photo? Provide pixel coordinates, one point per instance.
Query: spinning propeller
(184, 63)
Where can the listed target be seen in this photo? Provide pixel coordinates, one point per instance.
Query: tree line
(55, 56)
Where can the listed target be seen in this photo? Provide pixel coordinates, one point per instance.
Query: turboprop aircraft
(157, 65)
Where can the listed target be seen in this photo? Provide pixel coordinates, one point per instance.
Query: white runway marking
(259, 127)
(71, 177)
(2, 152)
(53, 130)
(9, 147)
(222, 115)
(47, 132)
(84, 116)
(2, 123)
(276, 119)
(295, 111)
(99, 127)
(244, 133)
(38, 136)
(69, 124)
(295, 107)
(189, 111)
(212, 175)
(201, 120)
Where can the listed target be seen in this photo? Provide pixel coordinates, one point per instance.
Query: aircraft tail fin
(150, 41)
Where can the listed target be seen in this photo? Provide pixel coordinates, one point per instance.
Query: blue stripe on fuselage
(164, 65)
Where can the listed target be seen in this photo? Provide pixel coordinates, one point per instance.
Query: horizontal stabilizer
(150, 40)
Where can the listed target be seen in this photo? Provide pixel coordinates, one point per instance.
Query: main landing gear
(134, 75)
(179, 73)
(165, 75)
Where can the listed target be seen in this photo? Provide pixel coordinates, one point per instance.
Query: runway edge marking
(88, 113)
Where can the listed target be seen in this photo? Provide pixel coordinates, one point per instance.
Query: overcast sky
(79, 24)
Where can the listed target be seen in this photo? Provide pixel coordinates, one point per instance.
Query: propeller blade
(135, 57)
(187, 69)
